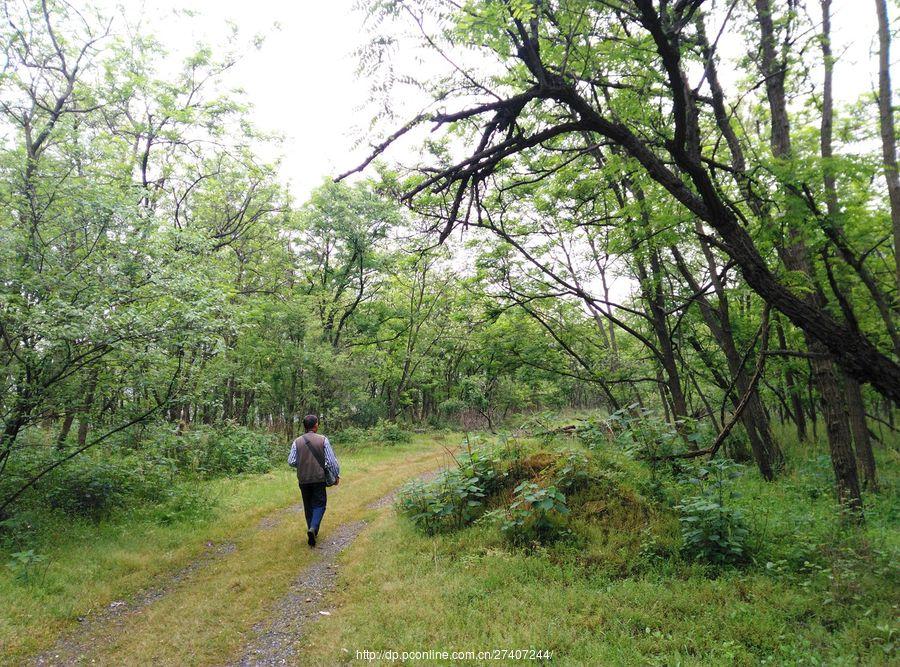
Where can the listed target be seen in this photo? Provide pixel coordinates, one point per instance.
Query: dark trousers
(314, 501)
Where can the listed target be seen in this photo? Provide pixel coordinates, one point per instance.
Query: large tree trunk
(856, 354)
(856, 408)
(796, 258)
(865, 457)
(64, 429)
(886, 121)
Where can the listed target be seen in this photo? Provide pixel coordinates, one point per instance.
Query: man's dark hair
(309, 421)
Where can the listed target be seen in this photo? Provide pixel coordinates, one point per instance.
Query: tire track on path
(307, 601)
(71, 648)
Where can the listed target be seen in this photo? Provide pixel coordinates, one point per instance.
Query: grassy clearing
(621, 592)
(207, 617)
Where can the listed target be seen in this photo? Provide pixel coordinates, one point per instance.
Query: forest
(602, 326)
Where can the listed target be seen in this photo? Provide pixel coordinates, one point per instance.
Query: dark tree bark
(64, 429)
(855, 405)
(865, 456)
(651, 290)
(690, 182)
(768, 456)
(796, 258)
(886, 123)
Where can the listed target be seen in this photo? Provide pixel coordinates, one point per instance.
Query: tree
(557, 89)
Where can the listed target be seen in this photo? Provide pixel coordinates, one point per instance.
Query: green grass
(814, 591)
(88, 565)
(619, 592)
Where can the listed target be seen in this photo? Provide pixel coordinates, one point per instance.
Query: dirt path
(304, 602)
(307, 599)
(273, 640)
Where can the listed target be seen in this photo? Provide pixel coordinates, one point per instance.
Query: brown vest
(308, 469)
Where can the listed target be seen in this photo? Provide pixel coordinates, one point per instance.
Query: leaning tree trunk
(84, 422)
(64, 429)
(652, 294)
(766, 452)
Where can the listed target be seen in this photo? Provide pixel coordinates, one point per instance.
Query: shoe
(311, 538)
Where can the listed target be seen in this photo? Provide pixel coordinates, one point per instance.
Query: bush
(385, 433)
(451, 407)
(537, 516)
(352, 435)
(235, 450)
(571, 472)
(389, 433)
(449, 502)
(455, 498)
(89, 488)
(482, 467)
(25, 565)
(645, 434)
(712, 530)
(212, 452)
(184, 502)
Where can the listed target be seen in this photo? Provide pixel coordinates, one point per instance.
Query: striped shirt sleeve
(332, 459)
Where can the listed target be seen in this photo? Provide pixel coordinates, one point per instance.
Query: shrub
(236, 449)
(455, 498)
(482, 468)
(449, 502)
(90, 488)
(645, 434)
(184, 502)
(572, 471)
(366, 412)
(389, 433)
(352, 435)
(712, 530)
(451, 407)
(385, 433)
(25, 565)
(538, 515)
(211, 452)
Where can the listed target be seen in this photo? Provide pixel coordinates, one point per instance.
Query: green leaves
(713, 529)
(536, 516)
(25, 565)
(455, 498)
(522, 10)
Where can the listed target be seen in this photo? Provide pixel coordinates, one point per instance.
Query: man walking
(317, 467)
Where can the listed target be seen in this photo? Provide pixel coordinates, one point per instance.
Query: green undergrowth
(383, 434)
(576, 545)
(153, 470)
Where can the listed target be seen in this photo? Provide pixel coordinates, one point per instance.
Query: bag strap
(316, 455)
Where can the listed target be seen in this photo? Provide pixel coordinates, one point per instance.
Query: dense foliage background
(642, 239)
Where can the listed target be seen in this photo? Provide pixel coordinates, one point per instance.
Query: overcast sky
(302, 80)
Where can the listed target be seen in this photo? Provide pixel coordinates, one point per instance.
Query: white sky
(303, 85)
(301, 82)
